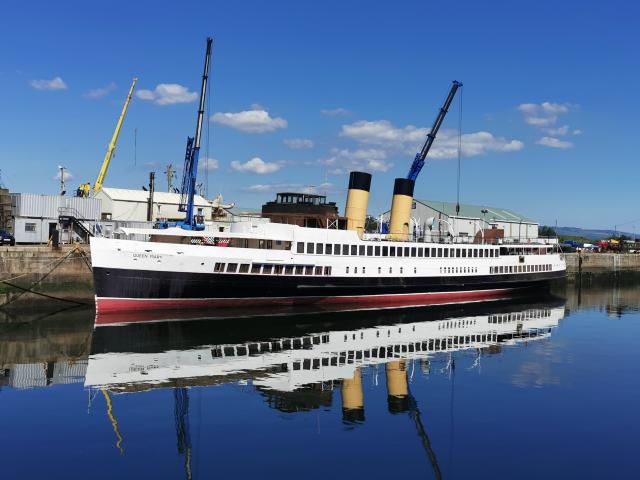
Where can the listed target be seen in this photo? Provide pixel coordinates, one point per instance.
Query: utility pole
(152, 186)
(170, 174)
(62, 169)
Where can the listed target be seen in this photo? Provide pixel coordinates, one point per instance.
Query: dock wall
(578, 263)
(22, 266)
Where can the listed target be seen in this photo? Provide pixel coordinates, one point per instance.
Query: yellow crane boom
(97, 186)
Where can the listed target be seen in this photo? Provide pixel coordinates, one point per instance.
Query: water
(542, 387)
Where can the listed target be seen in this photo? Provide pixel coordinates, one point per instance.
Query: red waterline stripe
(124, 305)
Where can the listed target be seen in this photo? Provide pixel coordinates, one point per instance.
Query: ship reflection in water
(300, 362)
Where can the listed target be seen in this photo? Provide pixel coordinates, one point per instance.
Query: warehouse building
(435, 219)
(132, 205)
(36, 217)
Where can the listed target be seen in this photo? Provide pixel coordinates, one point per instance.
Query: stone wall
(601, 262)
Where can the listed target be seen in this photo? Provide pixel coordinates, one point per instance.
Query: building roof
(142, 196)
(475, 211)
(243, 212)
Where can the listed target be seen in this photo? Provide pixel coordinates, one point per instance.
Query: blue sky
(303, 91)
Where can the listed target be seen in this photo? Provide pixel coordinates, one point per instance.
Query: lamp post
(62, 169)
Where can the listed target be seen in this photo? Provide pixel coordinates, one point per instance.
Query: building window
(29, 227)
(319, 248)
(310, 247)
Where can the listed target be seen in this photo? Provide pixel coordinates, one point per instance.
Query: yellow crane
(85, 188)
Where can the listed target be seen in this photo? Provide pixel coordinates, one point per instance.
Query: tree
(547, 232)
(371, 224)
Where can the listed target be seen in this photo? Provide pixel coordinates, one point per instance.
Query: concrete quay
(593, 263)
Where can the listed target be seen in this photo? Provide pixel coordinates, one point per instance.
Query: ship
(183, 265)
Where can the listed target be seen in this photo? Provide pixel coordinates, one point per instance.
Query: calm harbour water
(542, 387)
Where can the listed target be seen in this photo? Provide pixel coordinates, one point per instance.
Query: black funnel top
(403, 186)
(360, 181)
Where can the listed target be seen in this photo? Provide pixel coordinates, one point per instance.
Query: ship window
(364, 270)
(511, 269)
(328, 248)
(318, 270)
(426, 252)
(377, 251)
(336, 249)
(255, 268)
(354, 250)
(370, 250)
(267, 269)
(345, 249)
(475, 252)
(244, 268)
(299, 269)
(390, 269)
(446, 252)
(319, 248)
(392, 251)
(439, 252)
(413, 251)
(219, 267)
(490, 269)
(232, 267)
(310, 247)
(433, 252)
(327, 270)
(464, 253)
(401, 270)
(399, 251)
(347, 270)
(355, 270)
(278, 269)
(361, 250)
(406, 251)
(385, 251)
(288, 270)
(300, 247)
(308, 270)
(379, 270)
(421, 252)
(415, 270)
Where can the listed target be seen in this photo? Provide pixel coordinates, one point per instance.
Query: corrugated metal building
(437, 219)
(131, 205)
(36, 216)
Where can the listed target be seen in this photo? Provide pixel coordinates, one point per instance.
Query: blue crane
(418, 162)
(190, 171)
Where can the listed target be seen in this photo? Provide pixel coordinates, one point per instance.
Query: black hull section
(147, 284)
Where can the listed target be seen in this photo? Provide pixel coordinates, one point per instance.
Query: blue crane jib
(418, 162)
(190, 171)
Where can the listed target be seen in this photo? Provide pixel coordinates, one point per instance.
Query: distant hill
(588, 233)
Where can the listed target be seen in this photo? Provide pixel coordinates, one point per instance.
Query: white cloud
(542, 114)
(288, 187)
(54, 84)
(577, 131)
(343, 160)
(554, 143)
(409, 139)
(250, 121)
(557, 132)
(256, 165)
(100, 92)
(298, 143)
(208, 164)
(167, 94)
(335, 112)
(67, 175)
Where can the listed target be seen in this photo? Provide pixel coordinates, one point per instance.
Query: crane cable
(459, 150)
